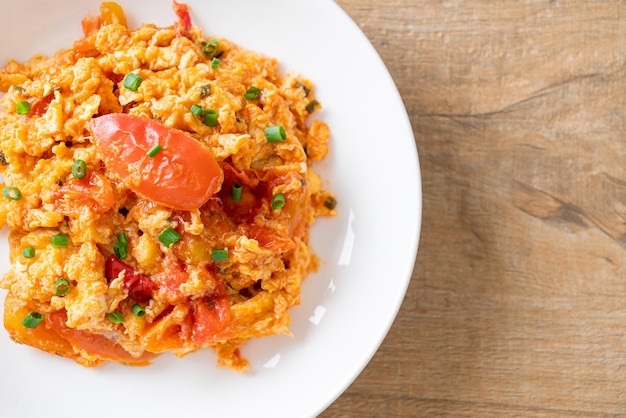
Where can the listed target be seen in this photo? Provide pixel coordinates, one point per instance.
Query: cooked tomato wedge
(183, 175)
(99, 345)
(212, 317)
(183, 26)
(139, 286)
(93, 191)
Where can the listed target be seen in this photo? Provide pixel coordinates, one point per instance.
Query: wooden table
(517, 302)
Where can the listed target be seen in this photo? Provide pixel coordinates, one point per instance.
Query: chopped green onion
(116, 317)
(138, 310)
(62, 287)
(197, 110)
(312, 106)
(152, 152)
(205, 91)
(32, 320)
(236, 192)
(215, 63)
(278, 201)
(330, 203)
(219, 255)
(252, 93)
(121, 247)
(12, 193)
(79, 169)
(22, 108)
(60, 240)
(120, 251)
(132, 81)
(275, 134)
(210, 117)
(211, 47)
(28, 252)
(121, 238)
(169, 236)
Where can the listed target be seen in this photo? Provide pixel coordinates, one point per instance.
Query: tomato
(267, 237)
(183, 175)
(111, 12)
(212, 317)
(54, 336)
(99, 345)
(94, 191)
(183, 26)
(91, 24)
(139, 286)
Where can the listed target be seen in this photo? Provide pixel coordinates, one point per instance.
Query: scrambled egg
(92, 275)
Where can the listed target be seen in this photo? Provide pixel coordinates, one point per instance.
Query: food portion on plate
(158, 192)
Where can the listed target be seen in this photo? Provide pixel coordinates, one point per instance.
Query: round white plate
(368, 251)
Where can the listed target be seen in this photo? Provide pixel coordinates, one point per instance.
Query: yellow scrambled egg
(105, 270)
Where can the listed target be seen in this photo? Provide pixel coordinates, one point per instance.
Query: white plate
(368, 250)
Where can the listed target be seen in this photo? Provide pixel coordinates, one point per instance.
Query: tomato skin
(139, 286)
(93, 343)
(183, 175)
(212, 317)
(94, 191)
(183, 26)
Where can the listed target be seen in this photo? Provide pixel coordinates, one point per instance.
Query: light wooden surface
(517, 305)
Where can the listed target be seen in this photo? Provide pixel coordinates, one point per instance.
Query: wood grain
(517, 302)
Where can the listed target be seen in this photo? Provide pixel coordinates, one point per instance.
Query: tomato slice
(212, 317)
(99, 345)
(183, 26)
(94, 191)
(183, 175)
(139, 286)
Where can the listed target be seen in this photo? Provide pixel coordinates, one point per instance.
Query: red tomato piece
(94, 191)
(183, 175)
(268, 238)
(139, 286)
(91, 24)
(183, 26)
(212, 317)
(94, 343)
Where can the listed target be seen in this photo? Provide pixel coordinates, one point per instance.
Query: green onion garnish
(197, 110)
(210, 48)
(28, 252)
(60, 240)
(312, 106)
(121, 238)
(278, 201)
(169, 236)
(121, 246)
(330, 203)
(12, 193)
(236, 192)
(116, 317)
(215, 63)
(138, 310)
(32, 320)
(132, 81)
(252, 93)
(62, 287)
(22, 108)
(219, 255)
(275, 134)
(205, 91)
(210, 117)
(79, 169)
(152, 152)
